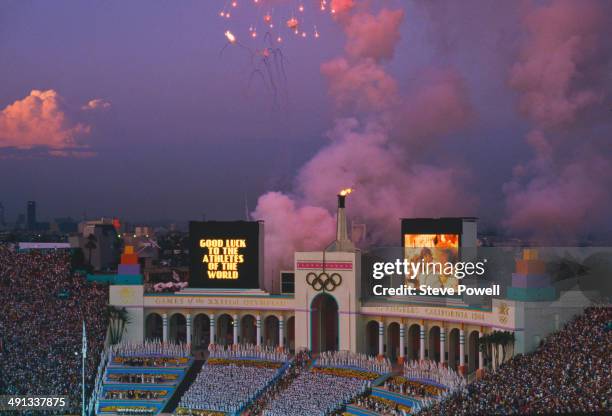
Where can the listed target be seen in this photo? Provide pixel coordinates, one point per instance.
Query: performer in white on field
(434, 371)
(356, 360)
(315, 394)
(209, 391)
(151, 348)
(247, 351)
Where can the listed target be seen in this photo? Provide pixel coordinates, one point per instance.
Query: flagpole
(83, 354)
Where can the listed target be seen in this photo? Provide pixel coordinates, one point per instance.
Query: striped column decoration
(212, 328)
(422, 342)
(165, 327)
(442, 345)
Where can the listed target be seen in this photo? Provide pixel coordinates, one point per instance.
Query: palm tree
(506, 339)
(118, 318)
(91, 244)
(485, 347)
(495, 341)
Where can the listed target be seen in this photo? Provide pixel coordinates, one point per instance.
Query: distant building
(88, 223)
(65, 225)
(143, 231)
(31, 215)
(100, 243)
(20, 223)
(2, 221)
(42, 226)
(144, 243)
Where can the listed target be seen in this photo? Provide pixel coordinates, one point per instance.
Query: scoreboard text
(224, 254)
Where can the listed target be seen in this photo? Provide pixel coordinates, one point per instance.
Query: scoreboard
(226, 254)
(436, 240)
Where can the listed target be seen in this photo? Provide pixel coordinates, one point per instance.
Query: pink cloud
(342, 6)
(437, 106)
(289, 228)
(562, 72)
(374, 36)
(359, 87)
(561, 202)
(38, 120)
(96, 104)
(388, 182)
(76, 153)
(559, 61)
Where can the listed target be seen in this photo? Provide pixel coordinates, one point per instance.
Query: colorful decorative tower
(128, 271)
(530, 282)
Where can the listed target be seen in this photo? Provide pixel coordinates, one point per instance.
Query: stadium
(175, 238)
(322, 345)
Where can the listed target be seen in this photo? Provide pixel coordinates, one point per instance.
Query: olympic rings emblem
(324, 281)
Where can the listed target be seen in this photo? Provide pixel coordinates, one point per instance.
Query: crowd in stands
(42, 308)
(238, 351)
(299, 364)
(226, 388)
(315, 394)
(434, 371)
(569, 373)
(355, 360)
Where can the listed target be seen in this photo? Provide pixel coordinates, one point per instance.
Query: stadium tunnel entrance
(324, 323)
(225, 330)
(393, 341)
(414, 341)
(291, 334)
(201, 331)
(372, 338)
(178, 328)
(248, 330)
(154, 327)
(271, 329)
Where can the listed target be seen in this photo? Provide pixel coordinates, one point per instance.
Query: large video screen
(224, 254)
(435, 250)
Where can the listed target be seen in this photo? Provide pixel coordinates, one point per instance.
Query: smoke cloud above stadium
(361, 153)
(558, 64)
(563, 77)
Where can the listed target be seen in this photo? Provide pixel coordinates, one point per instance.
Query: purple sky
(181, 137)
(185, 135)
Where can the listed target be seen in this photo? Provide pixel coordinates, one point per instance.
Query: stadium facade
(329, 309)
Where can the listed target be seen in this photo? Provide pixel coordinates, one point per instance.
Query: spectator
(569, 373)
(42, 306)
